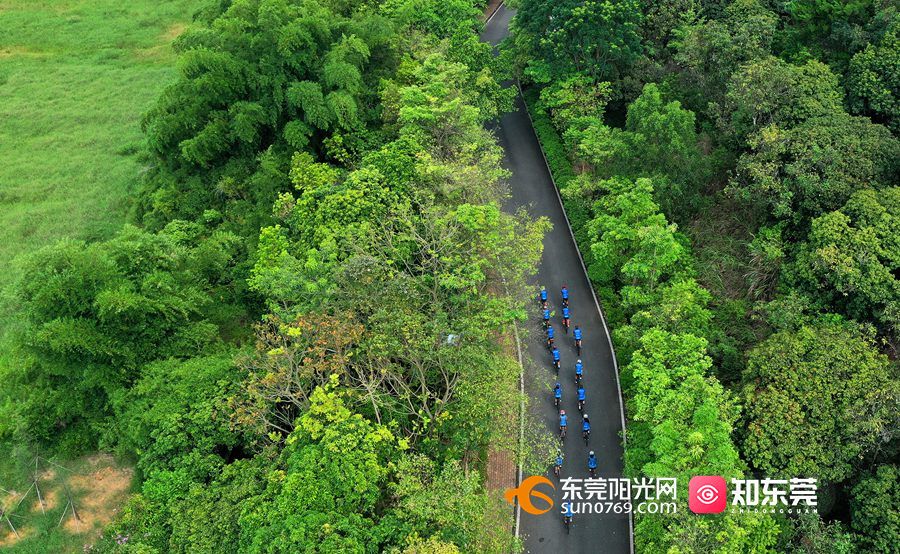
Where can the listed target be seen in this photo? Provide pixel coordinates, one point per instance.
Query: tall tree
(599, 38)
(818, 400)
(851, 258)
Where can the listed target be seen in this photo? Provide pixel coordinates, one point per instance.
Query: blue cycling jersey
(592, 462)
(577, 333)
(550, 332)
(565, 313)
(565, 293)
(581, 393)
(569, 510)
(559, 460)
(585, 426)
(579, 367)
(557, 392)
(543, 294)
(555, 354)
(546, 314)
(563, 420)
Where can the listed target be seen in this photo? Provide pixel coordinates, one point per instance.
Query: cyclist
(585, 429)
(557, 394)
(565, 296)
(555, 353)
(567, 516)
(576, 332)
(543, 297)
(592, 464)
(565, 317)
(546, 315)
(563, 424)
(579, 372)
(557, 468)
(581, 398)
(550, 335)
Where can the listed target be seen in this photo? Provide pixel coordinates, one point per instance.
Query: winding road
(533, 188)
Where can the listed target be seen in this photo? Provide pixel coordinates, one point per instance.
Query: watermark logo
(525, 492)
(707, 494)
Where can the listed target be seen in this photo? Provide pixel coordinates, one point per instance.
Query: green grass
(75, 78)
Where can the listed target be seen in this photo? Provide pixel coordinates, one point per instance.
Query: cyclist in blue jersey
(557, 394)
(555, 354)
(557, 468)
(568, 516)
(545, 315)
(581, 397)
(579, 372)
(543, 297)
(563, 424)
(565, 296)
(576, 332)
(592, 464)
(551, 334)
(565, 318)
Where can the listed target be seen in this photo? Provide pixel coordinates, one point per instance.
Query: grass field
(75, 78)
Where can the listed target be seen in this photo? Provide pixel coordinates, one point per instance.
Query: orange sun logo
(525, 491)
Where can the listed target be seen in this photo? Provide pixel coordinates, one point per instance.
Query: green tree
(873, 82)
(873, 510)
(773, 92)
(335, 468)
(682, 421)
(263, 76)
(711, 51)
(799, 173)
(176, 416)
(852, 256)
(809, 534)
(94, 314)
(597, 38)
(818, 400)
(635, 245)
(659, 141)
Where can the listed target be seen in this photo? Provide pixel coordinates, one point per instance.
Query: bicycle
(562, 432)
(586, 435)
(567, 521)
(578, 346)
(581, 405)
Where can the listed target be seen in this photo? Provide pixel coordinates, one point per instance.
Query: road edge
(593, 294)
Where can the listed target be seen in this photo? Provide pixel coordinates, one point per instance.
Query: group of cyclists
(557, 389)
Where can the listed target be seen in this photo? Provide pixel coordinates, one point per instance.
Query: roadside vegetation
(295, 337)
(737, 206)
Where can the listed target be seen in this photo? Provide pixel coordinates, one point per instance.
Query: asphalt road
(533, 188)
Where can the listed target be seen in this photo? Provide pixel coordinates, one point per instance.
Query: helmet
(579, 360)
(585, 416)
(557, 383)
(562, 412)
(592, 453)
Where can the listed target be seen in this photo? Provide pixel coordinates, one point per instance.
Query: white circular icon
(707, 494)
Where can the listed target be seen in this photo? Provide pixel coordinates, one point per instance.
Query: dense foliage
(731, 176)
(322, 168)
